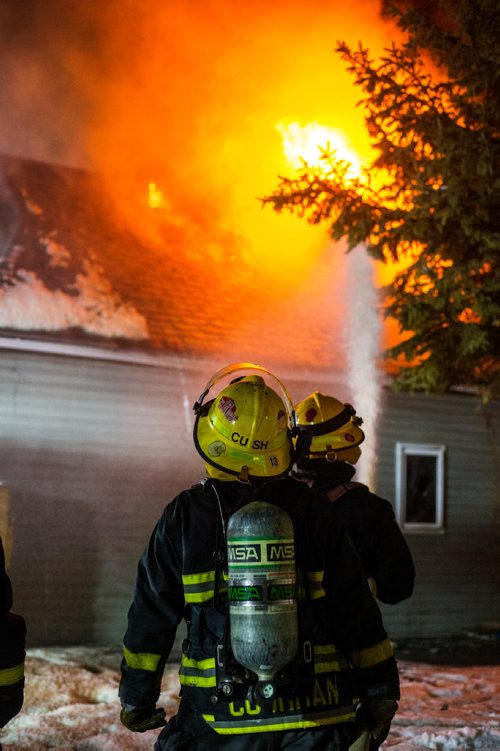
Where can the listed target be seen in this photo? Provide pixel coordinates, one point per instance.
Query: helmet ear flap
(302, 446)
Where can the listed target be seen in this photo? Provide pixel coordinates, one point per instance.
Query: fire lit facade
(106, 342)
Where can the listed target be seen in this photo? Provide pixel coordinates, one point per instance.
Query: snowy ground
(71, 704)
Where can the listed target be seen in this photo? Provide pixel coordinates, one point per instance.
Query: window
(420, 487)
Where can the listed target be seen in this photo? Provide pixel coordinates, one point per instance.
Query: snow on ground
(71, 704)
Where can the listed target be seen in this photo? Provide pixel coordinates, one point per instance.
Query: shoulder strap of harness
(335, 493)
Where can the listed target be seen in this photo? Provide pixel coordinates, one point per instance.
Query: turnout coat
(372, 526)
(182, 574)
(12, 654)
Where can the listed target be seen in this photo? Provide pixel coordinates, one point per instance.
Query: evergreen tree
(430, 199)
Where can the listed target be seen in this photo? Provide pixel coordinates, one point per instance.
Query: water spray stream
(363, 350)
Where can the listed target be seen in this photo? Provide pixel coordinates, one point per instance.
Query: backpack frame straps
(335, 493)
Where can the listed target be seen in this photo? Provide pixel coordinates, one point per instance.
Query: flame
(196, 109)
(155, 196)
(307, 144)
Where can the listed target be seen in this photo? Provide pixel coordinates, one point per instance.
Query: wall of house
(90, 453)
(458, 570)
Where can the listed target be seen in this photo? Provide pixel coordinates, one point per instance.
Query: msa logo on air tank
(280, 551)
(257, 552)
(256, 593)
(244, 552)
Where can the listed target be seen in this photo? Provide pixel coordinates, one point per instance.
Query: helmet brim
(231, 458)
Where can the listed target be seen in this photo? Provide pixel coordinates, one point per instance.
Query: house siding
(90, 453)
(458, 570)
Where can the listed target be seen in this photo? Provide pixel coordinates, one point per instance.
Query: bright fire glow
(307, 143)
(155, 196)
(195, 114)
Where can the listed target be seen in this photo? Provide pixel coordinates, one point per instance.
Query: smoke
(52, 55)
(187, 95)
(363, 344)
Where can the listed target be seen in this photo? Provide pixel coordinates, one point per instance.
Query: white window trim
(419, 449)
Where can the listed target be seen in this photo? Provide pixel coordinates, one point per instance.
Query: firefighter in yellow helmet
(249, 544)
(328, 443)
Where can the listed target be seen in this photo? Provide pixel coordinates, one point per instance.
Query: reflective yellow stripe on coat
(141, 660)
(367, 658)
(9, 676)
(293, 722)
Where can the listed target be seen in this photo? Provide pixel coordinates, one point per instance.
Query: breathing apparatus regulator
(245, 431)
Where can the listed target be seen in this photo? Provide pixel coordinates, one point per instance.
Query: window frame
(404, 450)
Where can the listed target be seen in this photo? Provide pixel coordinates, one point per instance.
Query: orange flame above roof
(195, 109)
(216, 100)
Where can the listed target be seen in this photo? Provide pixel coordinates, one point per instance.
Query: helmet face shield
(331, 428)
(245, 430)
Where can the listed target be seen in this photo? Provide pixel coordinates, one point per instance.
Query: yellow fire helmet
(327, 429)
(245, 431)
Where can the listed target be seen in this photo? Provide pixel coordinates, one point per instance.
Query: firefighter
(342, 651)
(328, 445)
(12, 646)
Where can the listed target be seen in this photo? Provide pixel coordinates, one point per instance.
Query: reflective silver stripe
(200, 587)
(290, 722)
(194, 673)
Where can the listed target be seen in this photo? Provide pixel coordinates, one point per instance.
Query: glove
(375, 715)
(140, 719)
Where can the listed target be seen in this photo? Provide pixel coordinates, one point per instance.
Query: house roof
(70, 272)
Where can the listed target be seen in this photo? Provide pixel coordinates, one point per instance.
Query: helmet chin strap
(244, 475)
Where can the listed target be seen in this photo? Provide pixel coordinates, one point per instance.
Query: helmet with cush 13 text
(327, 429)
(244, 432)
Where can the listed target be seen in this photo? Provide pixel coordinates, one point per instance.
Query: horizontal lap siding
(457, 585)
(91, 452)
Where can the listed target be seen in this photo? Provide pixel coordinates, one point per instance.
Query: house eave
(159, 359)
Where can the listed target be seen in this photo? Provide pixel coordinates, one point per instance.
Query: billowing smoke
(187, 95)
(363, 343)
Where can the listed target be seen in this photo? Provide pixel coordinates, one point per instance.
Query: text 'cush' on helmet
(330, 428)
(244, 430)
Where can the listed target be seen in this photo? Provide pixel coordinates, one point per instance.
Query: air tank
(262, 589)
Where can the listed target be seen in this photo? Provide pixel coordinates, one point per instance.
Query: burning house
(106, 343)
(124, 287)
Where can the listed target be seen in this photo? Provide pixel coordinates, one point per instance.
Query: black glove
(375, 715)
(140, 719)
